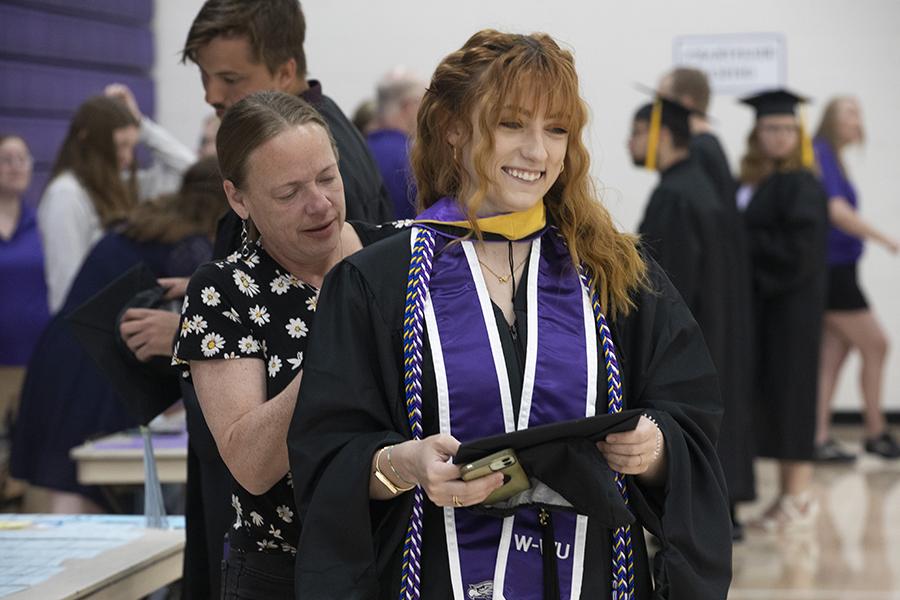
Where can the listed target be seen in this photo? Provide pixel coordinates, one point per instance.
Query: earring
(454, 153)
(245, 234)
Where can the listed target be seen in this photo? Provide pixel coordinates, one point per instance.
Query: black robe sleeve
(343, 415)
(671, 233)
(787, 248)
(667, 370)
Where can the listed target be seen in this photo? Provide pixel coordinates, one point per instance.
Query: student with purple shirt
(849, 322)
(23, 303)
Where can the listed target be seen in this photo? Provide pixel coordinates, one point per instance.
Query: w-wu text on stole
(527, 543)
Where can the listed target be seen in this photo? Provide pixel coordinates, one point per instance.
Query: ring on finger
(456, 502)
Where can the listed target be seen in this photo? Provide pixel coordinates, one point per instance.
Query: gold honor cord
(806, 148)
(653, 134)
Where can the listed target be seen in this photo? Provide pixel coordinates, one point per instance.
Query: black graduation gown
(366, 197)
(709, 154)
(787, 224)
(691, 235)
(351, 403)
(208, 512)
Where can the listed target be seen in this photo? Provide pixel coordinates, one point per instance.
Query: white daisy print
(239, 512)
(245, 283)
(297, 328)
(248, 345)
(290, 480)
(229, 355)
(312, 302)
(233, 257)
(267, 545)
(210, 296)
(275, 533)
(259, 315)
(211, 344)
(274, 365)
(232, 314)
(185, 327)
(280, 285)
(285, 513)
(296, 362)
(185, 305)
(198, 324)
(294, 281)
(256, 518)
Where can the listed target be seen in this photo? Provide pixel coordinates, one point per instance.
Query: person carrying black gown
(489, 316)
(785, 214)
(689, 232)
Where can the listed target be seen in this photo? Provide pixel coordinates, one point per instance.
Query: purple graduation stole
(491, 558)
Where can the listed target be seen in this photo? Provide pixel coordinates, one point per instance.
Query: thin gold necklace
(504, 278)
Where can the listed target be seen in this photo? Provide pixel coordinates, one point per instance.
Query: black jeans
(257, 576)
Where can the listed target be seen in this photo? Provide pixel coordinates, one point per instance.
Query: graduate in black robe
(690, 234)
(364, 364)
(786, 221)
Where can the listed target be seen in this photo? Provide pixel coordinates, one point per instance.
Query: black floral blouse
(248, 306)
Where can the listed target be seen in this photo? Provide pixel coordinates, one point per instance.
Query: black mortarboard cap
(147, 388)
(774, 102)
(563, 456)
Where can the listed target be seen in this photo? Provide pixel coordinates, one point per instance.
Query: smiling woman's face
(526, 158)
(294, 194)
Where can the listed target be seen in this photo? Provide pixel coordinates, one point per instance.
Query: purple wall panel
(57, 91)
(67, 39)
(140, 12)
(56, 53)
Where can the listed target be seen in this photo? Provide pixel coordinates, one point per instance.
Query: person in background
(849, 321)
(785, 215)
(364, 117)
(691, 88)
(86, 194)
(397, 102)
(170, 158)
(23, 303)
(477, 322)
(207, 145)
(66, 398)
(688, 231)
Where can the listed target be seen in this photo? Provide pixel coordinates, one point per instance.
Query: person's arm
(640, 452)
(250, 431)
(69, 227)
(844, 217)
(150, 332)
(171, 158)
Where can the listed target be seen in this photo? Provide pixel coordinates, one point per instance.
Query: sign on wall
(736, 64)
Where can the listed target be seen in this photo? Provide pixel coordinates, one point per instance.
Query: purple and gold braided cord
(622, 550)
(413, 318)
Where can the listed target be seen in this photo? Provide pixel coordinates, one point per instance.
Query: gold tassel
(806, 148)
(653, 135)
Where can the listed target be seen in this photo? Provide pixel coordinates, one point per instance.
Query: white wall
(834, 46)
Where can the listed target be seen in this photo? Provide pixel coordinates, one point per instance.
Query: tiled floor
(853, 553)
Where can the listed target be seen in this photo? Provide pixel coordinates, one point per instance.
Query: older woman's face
(15, 167)
(295, 196)
(778, 135)
(527, 157)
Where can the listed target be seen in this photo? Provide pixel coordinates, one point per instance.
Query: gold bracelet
(400, 477)
(385, 481)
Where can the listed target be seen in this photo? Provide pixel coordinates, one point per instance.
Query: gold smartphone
(504, 461)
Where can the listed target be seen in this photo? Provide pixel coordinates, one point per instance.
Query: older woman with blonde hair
(495, 314)
(849, 322)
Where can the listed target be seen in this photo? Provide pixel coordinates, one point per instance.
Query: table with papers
(86, 556)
